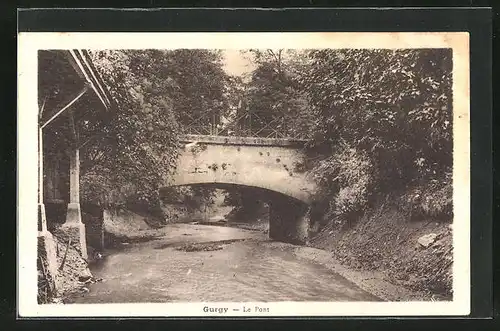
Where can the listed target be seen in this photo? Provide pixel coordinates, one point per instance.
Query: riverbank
(370, 281)
(386, 246)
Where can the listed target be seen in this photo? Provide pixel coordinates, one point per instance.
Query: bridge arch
(270, 191)
(288, 215)
(267, 193)
(267, 163)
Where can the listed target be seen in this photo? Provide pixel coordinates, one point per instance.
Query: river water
(246, 266)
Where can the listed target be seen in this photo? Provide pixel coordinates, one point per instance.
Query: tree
(274, 106)
(395, 104)
(156, 92)
(199, 94)
(393, 107)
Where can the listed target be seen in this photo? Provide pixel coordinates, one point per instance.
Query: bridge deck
(241, 141)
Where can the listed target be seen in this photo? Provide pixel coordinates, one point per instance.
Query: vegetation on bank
(385, 116)
(378, 123)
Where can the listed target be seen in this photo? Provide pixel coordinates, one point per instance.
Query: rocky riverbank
(416, 256)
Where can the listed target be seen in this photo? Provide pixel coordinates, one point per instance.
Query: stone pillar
(288, 221)
(74, 228)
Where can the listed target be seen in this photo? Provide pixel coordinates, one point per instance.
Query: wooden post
(42, 220)
(74, 177)
(73, 215)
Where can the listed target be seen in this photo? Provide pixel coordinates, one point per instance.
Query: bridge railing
(247, 125)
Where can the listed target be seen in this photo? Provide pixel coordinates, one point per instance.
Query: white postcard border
(30, 42)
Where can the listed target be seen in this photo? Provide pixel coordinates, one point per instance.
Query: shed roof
(64, 77)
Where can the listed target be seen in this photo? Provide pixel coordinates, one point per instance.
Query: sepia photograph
(244, 174)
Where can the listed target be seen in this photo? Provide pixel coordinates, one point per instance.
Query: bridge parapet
(242, 141)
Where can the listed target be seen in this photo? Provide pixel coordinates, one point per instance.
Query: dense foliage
(158, 95)
(392, 108)
(378, 121)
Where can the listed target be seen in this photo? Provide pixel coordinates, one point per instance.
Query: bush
(347, 176)
(432, 198)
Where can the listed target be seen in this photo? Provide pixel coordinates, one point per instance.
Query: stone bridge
(273, 166)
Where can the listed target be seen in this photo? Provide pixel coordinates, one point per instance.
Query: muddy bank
(370, 281)
(415, 256)
(121, 226)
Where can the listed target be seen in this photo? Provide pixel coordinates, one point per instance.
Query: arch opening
(299, 195)
(267, 193)
(288, 216)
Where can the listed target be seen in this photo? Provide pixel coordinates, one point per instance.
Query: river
(196, 263)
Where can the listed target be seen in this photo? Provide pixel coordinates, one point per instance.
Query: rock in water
(84, 275)
(427, 239)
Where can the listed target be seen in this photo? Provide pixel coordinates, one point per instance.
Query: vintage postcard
(243, 174)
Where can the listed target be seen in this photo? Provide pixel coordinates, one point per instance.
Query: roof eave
(81, 62)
